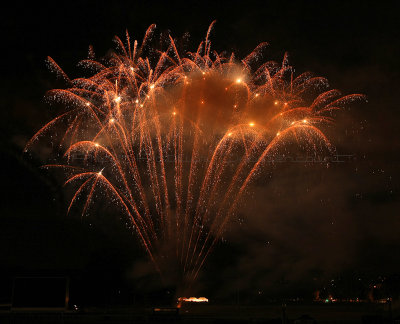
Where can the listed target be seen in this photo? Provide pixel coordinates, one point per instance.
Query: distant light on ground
(193, 299)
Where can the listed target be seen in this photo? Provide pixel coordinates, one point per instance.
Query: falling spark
(180, 210)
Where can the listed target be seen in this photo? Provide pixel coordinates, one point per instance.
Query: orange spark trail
(180, 136)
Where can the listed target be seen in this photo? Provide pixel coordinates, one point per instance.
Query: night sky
(303, 225)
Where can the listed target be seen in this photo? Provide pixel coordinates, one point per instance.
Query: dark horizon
(302, 227)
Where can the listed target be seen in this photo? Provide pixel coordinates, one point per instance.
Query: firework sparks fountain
(175, 140)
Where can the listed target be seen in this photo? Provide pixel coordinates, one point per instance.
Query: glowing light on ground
(193, 299)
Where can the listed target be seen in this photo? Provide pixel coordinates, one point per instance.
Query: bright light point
(292, 123)
(148, 96)
(202, 102)
(193, 299)
(234, 106)
(112, 120)
(96, 144)
(152, 86)
(257, 94)
(204, 73)
(137, 101)
(131, 68)
(226, 89)
(141, 105)
(238, 80)
(276, 102)
(277, 134)
(229, 134)
(251, 124)
(305, 121)
(117, 99)
(174, 113)
(285, 103)
(88, 104)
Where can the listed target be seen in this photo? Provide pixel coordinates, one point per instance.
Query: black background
(301, 228)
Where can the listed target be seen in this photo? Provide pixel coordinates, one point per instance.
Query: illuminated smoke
(175, 140)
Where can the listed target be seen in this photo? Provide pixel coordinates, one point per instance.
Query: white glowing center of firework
(238, 80)
(276, 102)
(251, 124)
(152, 86)
(117, 99)
(112, 120)
(305, 121)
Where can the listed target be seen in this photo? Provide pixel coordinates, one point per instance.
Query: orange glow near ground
(193, 299)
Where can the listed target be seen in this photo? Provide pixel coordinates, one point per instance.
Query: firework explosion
(175, 140)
